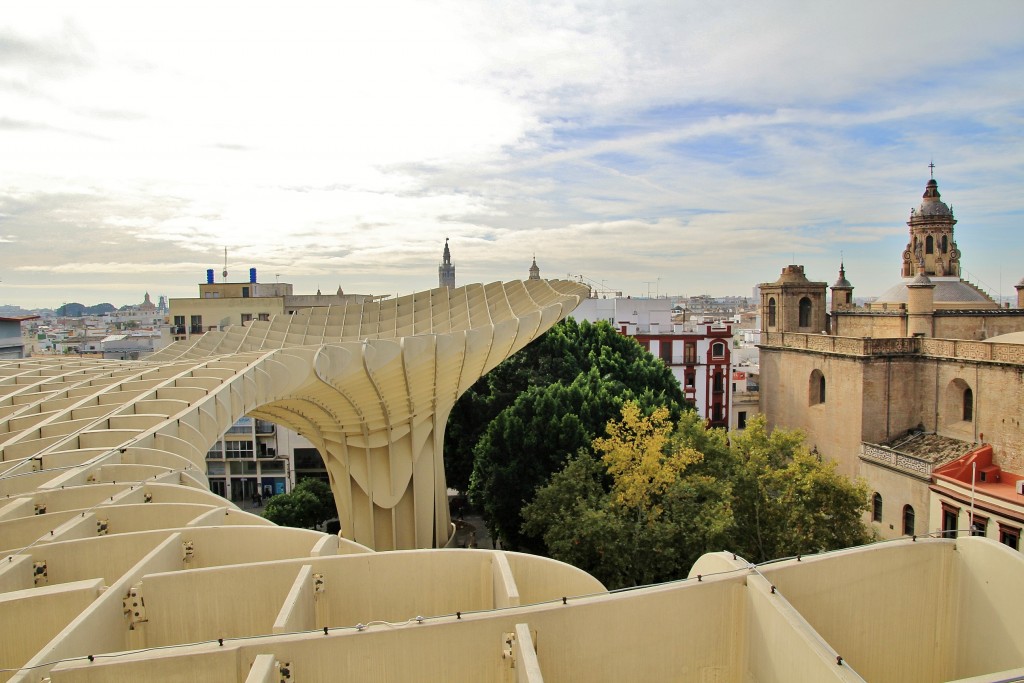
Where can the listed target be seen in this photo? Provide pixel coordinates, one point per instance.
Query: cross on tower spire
(931, 167)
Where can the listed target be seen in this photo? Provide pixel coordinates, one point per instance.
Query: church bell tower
(446, 271)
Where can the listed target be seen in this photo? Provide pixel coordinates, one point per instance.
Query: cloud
(624, 140)
(114, 268)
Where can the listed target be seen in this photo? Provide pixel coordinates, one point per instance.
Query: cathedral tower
(931, 237)
(446, 271)
(534, 270)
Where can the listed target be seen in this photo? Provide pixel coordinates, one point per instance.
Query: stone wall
(877, 389)
(861, 324)
(980, 325)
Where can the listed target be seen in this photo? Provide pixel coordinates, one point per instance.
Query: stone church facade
(927, 375)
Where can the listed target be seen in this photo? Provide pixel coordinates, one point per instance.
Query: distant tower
(534, 270)
(931, 238)
(842, 291)
(446, 271)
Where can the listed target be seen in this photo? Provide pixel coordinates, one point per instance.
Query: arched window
(876, 507)
(958, 403)
(718, 350)
(908, 520)
(816, 388)
(771, 312)
(945, 244)
(805, 312)
(929, 245)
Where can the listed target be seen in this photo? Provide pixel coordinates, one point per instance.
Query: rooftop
(930, 447)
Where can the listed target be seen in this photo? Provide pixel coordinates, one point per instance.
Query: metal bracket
(318, 584)
(40, 508)
(188, 551)
(134, 606)
(285, 668)
(147, 497)
(39, 576)
(102, 526)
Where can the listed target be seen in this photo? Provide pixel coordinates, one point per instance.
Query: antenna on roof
(225, 264)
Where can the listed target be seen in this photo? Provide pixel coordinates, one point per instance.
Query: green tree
(790, 501)
(308, 505)
(655, 501)
(639, 514)
(558, 356)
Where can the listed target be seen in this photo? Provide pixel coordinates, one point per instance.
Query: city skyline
(661, 148)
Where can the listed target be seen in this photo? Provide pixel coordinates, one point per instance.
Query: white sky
(657, 147)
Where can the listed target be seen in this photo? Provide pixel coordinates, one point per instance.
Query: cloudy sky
(653, 147)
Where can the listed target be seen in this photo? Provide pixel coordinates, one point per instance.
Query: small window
(876, 507)
(246, 318)
(741, 420)
(816, 388)
(950, 516)
(908, 520)
(718, 350)
(1009, 535)
(690, 353)
(691, 380)
(979, 526)
(805, 312)
(716, 383)
(945, 244)
(771, 312)
(245, 292)
(929, 245)
(968, 404)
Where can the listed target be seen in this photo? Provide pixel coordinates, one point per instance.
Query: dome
(921, 280)
(948, 290)
(932, 204)
(1009, 338)
(842, 282)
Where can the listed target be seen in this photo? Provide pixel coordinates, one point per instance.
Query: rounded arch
(816, 388)
(876, 507)
(959, 401)
(929, 245)
(908, 520)
(771, 311)
(805, 312)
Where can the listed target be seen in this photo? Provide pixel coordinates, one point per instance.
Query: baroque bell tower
(931, 237)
